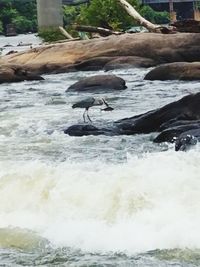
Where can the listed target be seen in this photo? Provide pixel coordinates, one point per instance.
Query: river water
(95, 200)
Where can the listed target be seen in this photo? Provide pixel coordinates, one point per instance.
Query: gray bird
(88, 103)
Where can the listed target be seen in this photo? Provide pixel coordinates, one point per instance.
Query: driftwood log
(92, 29)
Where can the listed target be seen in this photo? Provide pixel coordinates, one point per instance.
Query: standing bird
(90, 102)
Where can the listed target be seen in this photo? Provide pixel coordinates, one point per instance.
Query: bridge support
(49, 13)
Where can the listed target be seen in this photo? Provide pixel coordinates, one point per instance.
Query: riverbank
(11, 43)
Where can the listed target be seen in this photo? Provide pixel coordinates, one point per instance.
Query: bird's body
(88, 103)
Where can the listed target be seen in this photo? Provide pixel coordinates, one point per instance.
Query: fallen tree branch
(142, 21)
(102, 31)
(65, 33)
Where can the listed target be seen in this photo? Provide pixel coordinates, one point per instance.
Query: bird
(90, 102)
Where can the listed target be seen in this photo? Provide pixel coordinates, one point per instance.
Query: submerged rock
(97, 83)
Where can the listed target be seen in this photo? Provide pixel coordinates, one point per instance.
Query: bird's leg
(105, 103)
(88, 116)
(84, 115)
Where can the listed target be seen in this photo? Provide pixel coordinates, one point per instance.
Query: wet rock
(96, 63)
(176, 123)
(187, 140)
(170, 134)
(89, 129)
(175, 71)
(129, 62)
(15, 73)
(98, 83)
(187, 108)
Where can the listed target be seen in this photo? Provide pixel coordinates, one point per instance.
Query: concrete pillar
(49, 13)
(171, 11)
(196, 8)
(197, 14)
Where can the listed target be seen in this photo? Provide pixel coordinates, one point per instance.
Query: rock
(170, 134)
(161, 48)
(187, 25)
(96, 63)
(10, 73)
(97, 83)
(175, 71)
(129, 62)
(187, 139)
(89, 129)
(187, 108)
(176, 123)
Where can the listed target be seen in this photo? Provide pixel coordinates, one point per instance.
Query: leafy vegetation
(51, 34)
(109, 14)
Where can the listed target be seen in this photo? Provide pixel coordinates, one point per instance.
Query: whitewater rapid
(146, 203)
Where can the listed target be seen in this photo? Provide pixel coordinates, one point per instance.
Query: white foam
(147, 203)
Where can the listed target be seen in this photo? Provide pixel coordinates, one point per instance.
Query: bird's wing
(85, 103)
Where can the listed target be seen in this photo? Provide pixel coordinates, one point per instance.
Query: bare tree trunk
(102, 31)
(142, 21)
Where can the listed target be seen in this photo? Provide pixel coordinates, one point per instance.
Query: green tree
(110, 14)
(154, 16)
(106, 13)
(21, 13)
(7, 14)
(70, 13)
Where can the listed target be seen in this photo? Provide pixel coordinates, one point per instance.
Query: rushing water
(95, 200)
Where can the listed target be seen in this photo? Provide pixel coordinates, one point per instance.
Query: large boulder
(187, 108)
(175, 71)
(97, 83)
(161, 48)
(10, 73)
